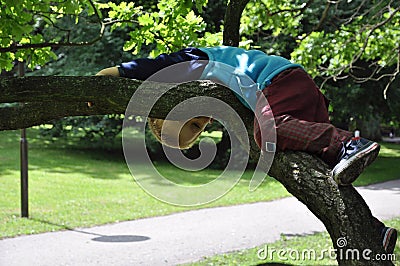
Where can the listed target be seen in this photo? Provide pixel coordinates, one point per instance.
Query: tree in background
(333, 40)
(82, 37)
(349, 47)
(304, 176)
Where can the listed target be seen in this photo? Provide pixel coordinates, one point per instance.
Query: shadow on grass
(67, 158)
(53, 157)
(58, 157)
(99, 237)
(48, 158)
(289, 235)
(273, 264)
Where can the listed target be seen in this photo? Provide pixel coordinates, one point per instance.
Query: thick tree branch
(342, 210)
(53, 97)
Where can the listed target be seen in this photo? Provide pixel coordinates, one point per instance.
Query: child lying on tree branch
(299, 109)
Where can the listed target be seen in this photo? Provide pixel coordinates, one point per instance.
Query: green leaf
(145, 20)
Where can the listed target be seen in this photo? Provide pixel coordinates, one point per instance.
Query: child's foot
(389, 238)
(355, 156)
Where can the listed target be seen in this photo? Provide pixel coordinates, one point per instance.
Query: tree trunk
(233, 14)
(370, 127)
(342, 210)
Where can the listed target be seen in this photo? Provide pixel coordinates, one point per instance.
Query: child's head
(178, 134)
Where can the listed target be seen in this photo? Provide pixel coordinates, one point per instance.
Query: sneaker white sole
(348, 171)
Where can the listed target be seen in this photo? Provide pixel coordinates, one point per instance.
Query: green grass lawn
(299, 250)
(81, 187)
(77, 187)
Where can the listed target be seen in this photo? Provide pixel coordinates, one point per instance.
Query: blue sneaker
(354, 157)
(389, 238)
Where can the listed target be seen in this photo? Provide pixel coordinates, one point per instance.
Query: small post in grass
(23, 160)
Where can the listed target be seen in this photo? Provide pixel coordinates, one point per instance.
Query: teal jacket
(243, 71)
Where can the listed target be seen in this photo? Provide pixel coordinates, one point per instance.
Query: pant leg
(301, 118)
(321, 139)
(378, 224)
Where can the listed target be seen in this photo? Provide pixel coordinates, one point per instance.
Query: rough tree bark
(342, 210)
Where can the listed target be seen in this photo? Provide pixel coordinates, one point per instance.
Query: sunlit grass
(386, 167)
(76, 187)
(83, 187)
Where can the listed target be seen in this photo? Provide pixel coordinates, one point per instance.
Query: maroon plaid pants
(300, 112)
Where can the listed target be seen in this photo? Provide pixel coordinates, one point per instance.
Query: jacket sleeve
(189, 64)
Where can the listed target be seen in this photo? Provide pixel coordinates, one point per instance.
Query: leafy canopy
(328, 38)
(333, 40)
(30, 29)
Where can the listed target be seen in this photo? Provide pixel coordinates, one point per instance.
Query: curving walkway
(183, 237)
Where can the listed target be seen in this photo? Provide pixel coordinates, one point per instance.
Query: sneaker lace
(347, 148)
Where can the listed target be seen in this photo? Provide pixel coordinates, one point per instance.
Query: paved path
(182, 237)
(392, 140)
